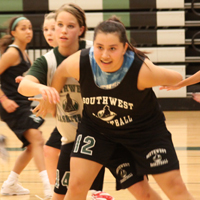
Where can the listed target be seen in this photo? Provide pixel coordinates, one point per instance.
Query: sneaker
(99, 195)
(47, 191)
(3, 152)
(14, 189)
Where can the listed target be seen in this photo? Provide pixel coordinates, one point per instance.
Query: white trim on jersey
(51, 66)
(52, 63)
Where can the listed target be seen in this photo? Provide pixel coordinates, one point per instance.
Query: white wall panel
(36, 53)
(170, 18)
(93, 19)
(174, 36)
(165, 54)
(55, 4)
(172, 93)
(171, 54)
(152, 53)
(31, 55)
(84, 4)
(170, 4)
(90, 4)
(89, 35)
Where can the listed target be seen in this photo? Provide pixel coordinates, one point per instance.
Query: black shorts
(63, 172)
(54, 139)
(22, 120)
(152, 151)
(122, 167)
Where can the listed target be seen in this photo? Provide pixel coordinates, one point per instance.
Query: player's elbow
(20, 88)
(172, 78)
(177, 77)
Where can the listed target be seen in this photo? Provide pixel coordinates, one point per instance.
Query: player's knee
(29, 148)
(177, 186)
(35, 137)
(50, 151)
(77, 186)
(74, 187)
(39, 140)
(141, 191)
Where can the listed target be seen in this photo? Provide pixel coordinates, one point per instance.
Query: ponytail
(4, 42)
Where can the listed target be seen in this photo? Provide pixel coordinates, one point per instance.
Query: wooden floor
(185, 129)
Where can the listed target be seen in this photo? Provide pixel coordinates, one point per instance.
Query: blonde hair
(48, 16)
(51, 15)
(77, 12)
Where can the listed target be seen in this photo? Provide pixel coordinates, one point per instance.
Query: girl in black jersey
(15, 108)
(53, 144)
(70, 26)
(120, 107)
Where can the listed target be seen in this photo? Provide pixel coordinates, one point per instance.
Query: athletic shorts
(22, 120)
(63, 172)
(54, 139)
(123, 169)
(152, 151)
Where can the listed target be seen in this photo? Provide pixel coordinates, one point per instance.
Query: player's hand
(196, 97)
(50, 94)
(9, 105)
(18, 79)
(169, 87)
(43, 107)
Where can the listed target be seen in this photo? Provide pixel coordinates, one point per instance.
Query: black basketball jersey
(8, 84)
(122, 109)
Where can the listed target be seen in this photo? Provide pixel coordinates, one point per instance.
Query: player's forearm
(191, 80)
(59, 80)
(29, 88)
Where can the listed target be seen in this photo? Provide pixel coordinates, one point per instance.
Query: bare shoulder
(11, 53)
(8, 59)
(74, 65)
(75, 57)
(148, 64)
(72, 61)
(149, 68)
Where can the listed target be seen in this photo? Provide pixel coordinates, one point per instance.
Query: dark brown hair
(114, 25)
(8, 38)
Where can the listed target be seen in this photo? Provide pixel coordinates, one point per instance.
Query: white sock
(44, 177)
(12, 178)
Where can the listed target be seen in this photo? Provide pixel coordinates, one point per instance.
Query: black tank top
(123, 109)
(8, 84)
